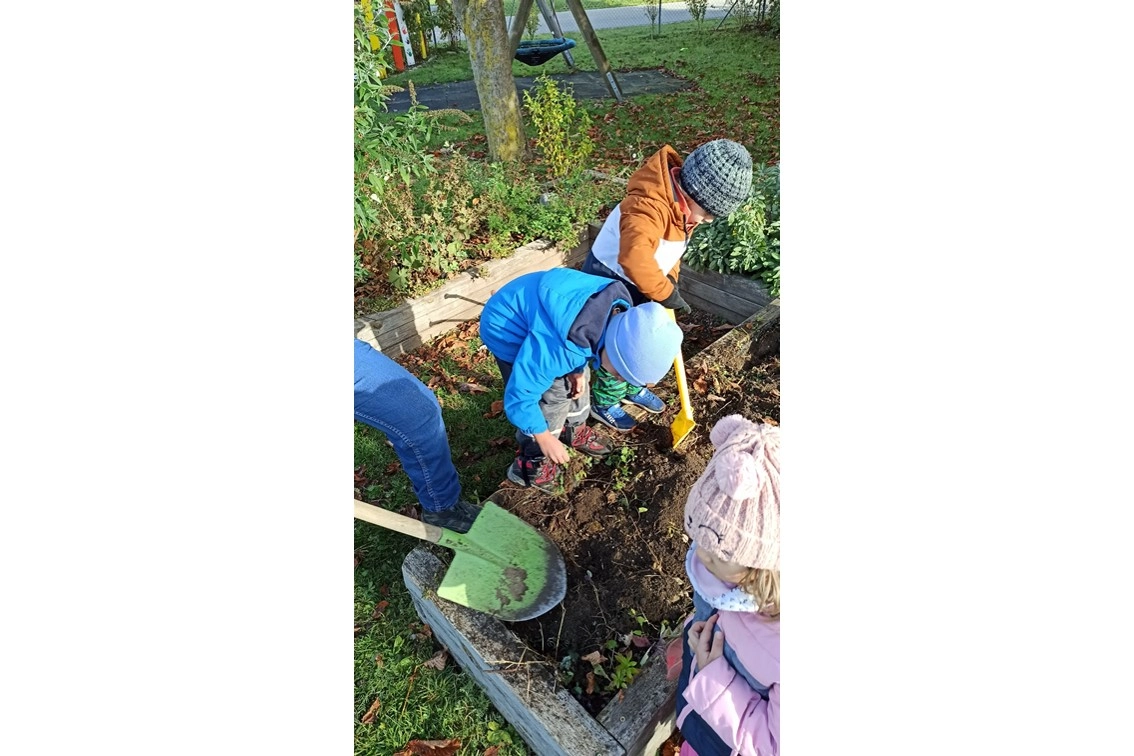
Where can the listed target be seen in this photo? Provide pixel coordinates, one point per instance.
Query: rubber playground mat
(587, 85)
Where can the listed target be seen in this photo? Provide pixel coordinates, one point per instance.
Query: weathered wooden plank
(546, 716)
(708, 305)
(724, 296)
(408, 326)
(738, 285)
(756, 337)
(645, 717)
(454, 295)
(457, 301)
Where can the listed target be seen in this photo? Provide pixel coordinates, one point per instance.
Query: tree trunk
(489, 47)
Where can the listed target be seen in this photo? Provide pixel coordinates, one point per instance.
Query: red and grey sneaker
(583, 438)
(537, 473)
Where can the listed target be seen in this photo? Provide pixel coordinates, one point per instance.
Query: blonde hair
(764, 585)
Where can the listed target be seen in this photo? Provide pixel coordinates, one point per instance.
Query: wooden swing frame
(520, 20)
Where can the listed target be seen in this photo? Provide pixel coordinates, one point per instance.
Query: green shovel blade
(504, 567)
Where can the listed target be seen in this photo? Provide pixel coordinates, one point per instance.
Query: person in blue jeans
(388, 397)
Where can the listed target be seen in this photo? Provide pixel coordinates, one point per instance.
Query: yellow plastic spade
(684, 422)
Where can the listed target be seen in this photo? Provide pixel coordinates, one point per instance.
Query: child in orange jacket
(642, 241)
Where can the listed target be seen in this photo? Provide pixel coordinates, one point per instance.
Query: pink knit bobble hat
(733, 510)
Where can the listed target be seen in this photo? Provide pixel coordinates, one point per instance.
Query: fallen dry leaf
(495, 410)
(471, 388)
(393, 467)
(357, 557)
(701, 386)
(368, 717)
(379, 609)
(590, 683)
(491, 750)
(438, 660)
(639, 641)
(501, 441)
(714, 398)
(430, 748)
(594, 657)
(420, 634)
(378, 661)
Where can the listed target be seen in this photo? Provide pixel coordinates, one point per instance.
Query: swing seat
(539, 51)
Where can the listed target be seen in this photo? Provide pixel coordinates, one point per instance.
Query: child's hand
(552, 448)
(574, 385)
(704, 643)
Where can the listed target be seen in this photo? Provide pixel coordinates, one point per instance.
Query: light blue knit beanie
(642, 343)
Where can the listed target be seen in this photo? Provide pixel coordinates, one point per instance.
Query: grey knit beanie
(718, 176)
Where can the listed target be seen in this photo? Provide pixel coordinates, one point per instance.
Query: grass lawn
(390, 649)
(736, 74)
(736, 96)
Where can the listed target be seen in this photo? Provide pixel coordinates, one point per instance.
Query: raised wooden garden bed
(410, 325)
(732, 298)
(525, 691)
(621, 536)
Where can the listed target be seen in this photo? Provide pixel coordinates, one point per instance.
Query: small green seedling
(625, 670)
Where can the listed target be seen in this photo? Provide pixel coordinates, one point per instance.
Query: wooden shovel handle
(387, 519)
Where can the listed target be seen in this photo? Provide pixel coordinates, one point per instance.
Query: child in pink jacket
(728, 694)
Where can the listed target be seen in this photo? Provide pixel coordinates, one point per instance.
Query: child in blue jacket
(546, 330)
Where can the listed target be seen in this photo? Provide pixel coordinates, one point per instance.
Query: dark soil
(619, 522)
(620, 526)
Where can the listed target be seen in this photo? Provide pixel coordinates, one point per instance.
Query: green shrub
(758, 15)
(390, 158)
(748, 241)
(462, 210)
(697, 10)
(446, 20)
(561, 126)
(423, 214)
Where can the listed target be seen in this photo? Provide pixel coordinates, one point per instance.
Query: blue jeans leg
(388, 397)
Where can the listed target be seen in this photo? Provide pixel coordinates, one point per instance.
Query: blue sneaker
(615, 417)
(647, 400)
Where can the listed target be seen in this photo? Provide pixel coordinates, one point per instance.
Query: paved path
(585, 85)
(631, 15)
